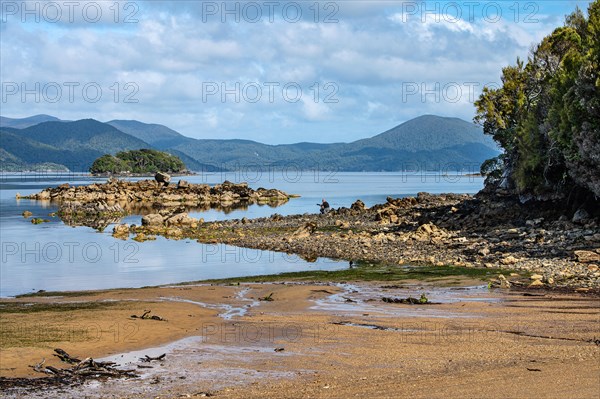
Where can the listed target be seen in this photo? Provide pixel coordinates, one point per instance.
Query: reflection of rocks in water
(98, 205)
(312, 258)
(149, 192)
(142, 209)
(98, 222)
(115, 198)
(96, 215)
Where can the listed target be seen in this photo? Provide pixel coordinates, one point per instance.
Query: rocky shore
(440, 230)
(98, 205)
(160, 193)
(546, 248)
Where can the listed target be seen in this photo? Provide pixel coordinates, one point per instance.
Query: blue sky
(270, 71)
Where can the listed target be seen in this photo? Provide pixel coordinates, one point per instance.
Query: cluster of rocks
(431, 230)
(446, 229)
(161, 193)
(168, 223)
(98, 205)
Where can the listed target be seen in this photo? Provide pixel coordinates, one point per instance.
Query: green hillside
(74, 145)
(427, 142)
(158, 136)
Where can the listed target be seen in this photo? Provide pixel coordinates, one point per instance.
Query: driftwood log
(147, 358)
(79, 372)
(145, 316)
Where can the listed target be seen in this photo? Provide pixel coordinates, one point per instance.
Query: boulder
(305, 230)
(44, 195)
(162, 177)
(153, 219)
(183, 184)
(181, 219)
(536, 283)
(342, 224)
(358, 205)
(141, 237)
(587, 256)
(509, 260)
(504, 283)
(581, 216)
(429, 231)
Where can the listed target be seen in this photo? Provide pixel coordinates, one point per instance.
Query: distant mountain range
(26, 122)
(427, 142)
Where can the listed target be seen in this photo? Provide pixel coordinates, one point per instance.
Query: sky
(270, 71)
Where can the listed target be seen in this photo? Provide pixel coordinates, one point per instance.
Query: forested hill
(427, 142)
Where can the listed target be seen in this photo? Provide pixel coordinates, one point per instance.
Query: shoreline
(432, 230)
(489, 230)
(372, 273)
(332, 323)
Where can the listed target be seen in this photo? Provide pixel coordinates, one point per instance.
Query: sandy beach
(315, 339)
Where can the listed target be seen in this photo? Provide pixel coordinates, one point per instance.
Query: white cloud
(371, 54)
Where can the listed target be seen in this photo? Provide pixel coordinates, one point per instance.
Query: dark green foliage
(492, 168)
(138, 161)
(109, 164)
(546, 115)
(372, 272)
(24, 153)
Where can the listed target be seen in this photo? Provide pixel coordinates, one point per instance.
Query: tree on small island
(144, 161)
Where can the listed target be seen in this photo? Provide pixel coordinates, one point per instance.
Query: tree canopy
(138, 161)
(546, 114)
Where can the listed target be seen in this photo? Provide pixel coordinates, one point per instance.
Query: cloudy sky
(270, 71)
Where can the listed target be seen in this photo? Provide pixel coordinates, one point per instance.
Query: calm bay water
(53, 256)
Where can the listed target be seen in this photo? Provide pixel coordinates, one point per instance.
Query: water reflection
(101, 220)
(53, 256)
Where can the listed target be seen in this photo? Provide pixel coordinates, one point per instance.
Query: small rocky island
(98, 205)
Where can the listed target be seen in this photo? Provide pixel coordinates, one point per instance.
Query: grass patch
(20, 335)
(28, 307)
(370, 272)
(26, 324)
(58, 293)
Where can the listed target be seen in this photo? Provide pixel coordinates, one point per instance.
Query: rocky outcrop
(305, 230)
(359, 206)
(430, 232)
(440, 230)
(588, 256)
(153, 192)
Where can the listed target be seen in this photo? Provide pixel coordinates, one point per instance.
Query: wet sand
(332, 341)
